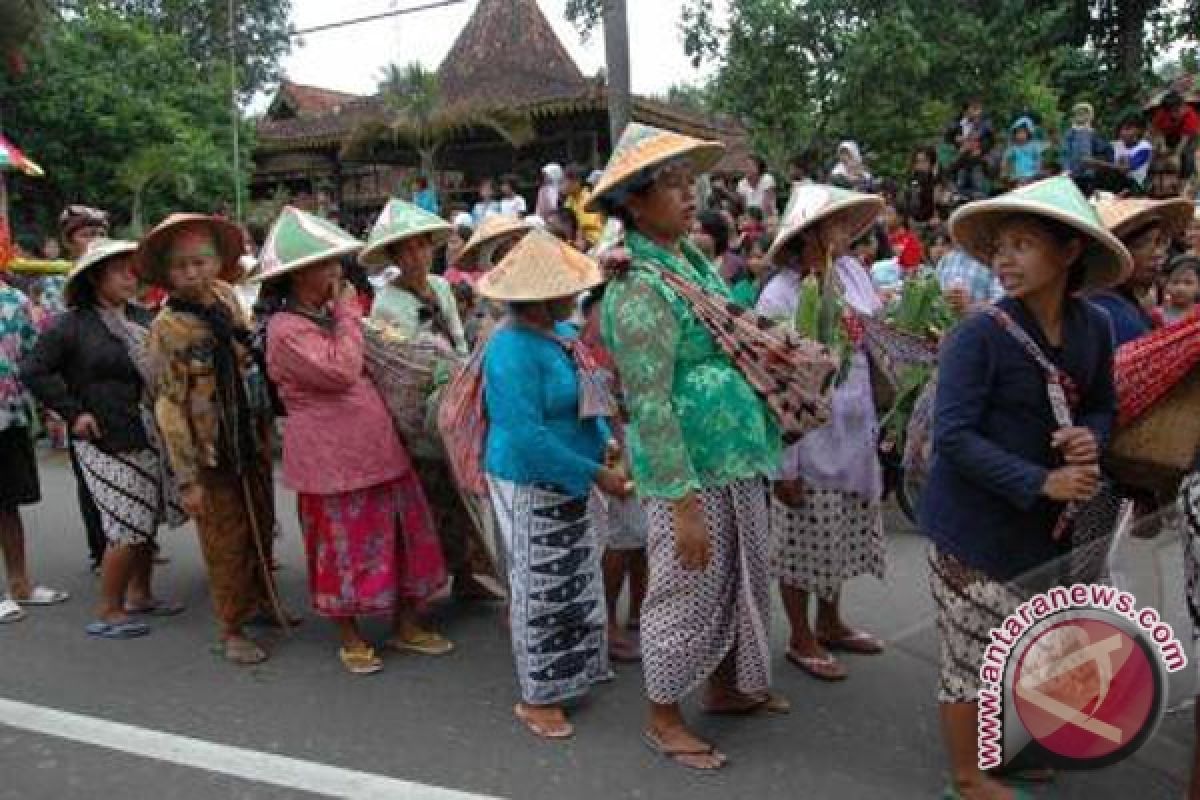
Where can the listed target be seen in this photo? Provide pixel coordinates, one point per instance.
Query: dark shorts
(18, 469)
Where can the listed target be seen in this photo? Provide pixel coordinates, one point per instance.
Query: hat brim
(1106, 261)
(307, 261)
(853, 215)
(87, 264)
(374, 256)
(535, 294)
(1172, 214)
(540, 268)
(482, 239)
(153, 250)
(702, 155)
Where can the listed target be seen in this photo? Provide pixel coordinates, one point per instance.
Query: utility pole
(616, 55)
(235, 117)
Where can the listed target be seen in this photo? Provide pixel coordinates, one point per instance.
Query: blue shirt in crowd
(531, 394)
(992, 435)
(1128, 319)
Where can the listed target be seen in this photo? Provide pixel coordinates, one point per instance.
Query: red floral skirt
(370, 547)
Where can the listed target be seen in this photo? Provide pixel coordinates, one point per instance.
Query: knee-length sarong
(693, 619)
(556, 589)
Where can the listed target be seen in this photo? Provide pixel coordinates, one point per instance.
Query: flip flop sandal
(427, 643)
(161, 608)
(11, 611)
(243, 652)
(827, 669)
(43, 596)
(360, 660)
(658, 746)
(860, 643)
(540, 729)
(117, 630)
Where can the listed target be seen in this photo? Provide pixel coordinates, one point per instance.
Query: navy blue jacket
(991, 436)
(1128, 319)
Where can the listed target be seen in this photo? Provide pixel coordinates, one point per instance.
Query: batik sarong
(693, 619)
(557, 612)
(129, 493)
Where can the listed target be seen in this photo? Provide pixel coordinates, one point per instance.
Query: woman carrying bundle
(826, 515)
(1025, 403)
(368, 532)
(547, 446)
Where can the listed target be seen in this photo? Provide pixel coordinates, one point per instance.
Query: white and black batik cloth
(1189, 507)
(558, 618)
(832, 537)
(969, 605)
(129, 492)
(693, 619)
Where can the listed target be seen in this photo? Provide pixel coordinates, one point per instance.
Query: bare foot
(547, 722)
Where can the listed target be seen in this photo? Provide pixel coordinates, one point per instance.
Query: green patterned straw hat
(399, 221)
(1107, 262)
(299, 239)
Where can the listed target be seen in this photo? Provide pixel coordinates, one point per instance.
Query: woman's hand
(614, 482)
(1078, 445)
(789, 492)
(612, 454)
(86, 428)
(692, 541)
(192, 498)
(1072, 484)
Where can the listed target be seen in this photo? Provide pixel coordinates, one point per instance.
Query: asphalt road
(448, 723)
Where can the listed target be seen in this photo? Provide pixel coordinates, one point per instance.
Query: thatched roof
(507, 55)
(298, 100)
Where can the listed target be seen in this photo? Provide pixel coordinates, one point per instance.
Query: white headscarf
(554, 172)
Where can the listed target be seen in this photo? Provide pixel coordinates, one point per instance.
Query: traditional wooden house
(506, 59)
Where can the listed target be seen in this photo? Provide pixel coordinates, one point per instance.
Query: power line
(398, 12)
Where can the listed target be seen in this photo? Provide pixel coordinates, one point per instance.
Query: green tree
(262, 33)
(131, 140)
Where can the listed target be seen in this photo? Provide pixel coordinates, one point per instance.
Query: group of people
(633, 424)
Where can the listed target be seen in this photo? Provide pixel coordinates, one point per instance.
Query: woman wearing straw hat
(1146, 228)
(1025, 403)
(201, 346)
(546, 447)
(92, 369)
(414, 304)
(701, 442)
(367, 528)
(826, 518)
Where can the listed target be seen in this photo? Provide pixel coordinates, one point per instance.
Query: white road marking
(238, 762)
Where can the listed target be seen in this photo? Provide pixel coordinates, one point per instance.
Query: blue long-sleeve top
(992, 436)
(1127, 318)
(531, 394)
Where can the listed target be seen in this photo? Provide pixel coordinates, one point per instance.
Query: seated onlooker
(1023, 157)
(1083, 146)
(1132, 153)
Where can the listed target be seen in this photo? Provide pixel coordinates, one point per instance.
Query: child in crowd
(904, 242)
(1023, 158)
(748, 285)
(1183, 288)
(919, 197)
(1131, 155)
(1083, 146)
(938, 245)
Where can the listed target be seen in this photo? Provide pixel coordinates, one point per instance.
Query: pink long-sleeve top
(338, 435)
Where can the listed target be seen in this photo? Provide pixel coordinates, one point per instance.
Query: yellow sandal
(360, 660)
(427, 643)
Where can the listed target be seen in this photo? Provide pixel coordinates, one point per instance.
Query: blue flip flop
(117, 630)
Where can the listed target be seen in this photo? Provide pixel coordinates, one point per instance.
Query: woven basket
(405, 372)
(1155, 451)
(890, 350)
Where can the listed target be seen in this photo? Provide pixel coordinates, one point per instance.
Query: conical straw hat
(98, 252)
(1127, 215)
(1107, 261)
(154, 248)
(849, 213)
(299, 239)
(399, 221)
(643, 147)
(540, 267)
(491, 232)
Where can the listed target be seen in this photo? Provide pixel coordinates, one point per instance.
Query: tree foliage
(138, 141)
(892, 73)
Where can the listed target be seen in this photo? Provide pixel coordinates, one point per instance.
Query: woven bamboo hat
(491, 232)
(155, 248)
(847, 212)
(1107, 261)
(641, 149)
(540, 267)
(1127, 215)
(99, 252)
(299, 239)
(399, 221)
